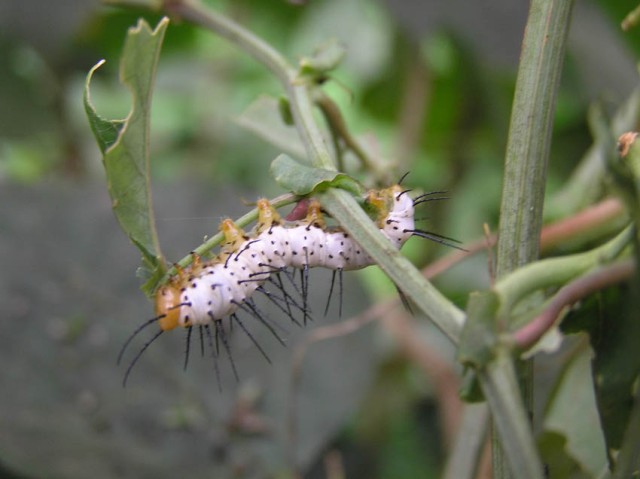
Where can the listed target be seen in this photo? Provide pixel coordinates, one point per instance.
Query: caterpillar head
(394, 213)
(168, 307)
(402, 203)
(390, 201)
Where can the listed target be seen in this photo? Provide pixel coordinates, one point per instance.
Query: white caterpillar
(207, 292)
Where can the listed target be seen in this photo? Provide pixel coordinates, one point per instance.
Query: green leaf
(572, 413)
(125, 146)
(303, 180)
(617, 364)
(610, 318)
(554, 454)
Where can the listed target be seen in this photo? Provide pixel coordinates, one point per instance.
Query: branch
(528, 335)
(553, 272)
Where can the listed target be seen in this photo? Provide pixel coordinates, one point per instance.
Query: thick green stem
(530, 133)
(526, 158)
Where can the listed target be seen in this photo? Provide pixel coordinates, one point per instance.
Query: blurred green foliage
(204, 83)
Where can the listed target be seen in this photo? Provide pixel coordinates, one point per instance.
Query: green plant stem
(520, 284)
(465, 457)
(526, 161)
(338, 126)
(198, 14)
(530, 333)
(510, 418)
(530, 133)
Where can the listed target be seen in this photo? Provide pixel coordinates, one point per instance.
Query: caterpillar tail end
(168, 307)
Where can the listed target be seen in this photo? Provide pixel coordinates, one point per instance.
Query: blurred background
(427, 86)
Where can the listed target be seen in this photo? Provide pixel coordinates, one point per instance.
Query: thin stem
(528, 335)
(464, 460)
(546, 273)
(198, 14)
(510, 418)
(337, 124)
(601, 217)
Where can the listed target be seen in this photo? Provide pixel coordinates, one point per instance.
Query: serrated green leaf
(125, 145)
(303, 180)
